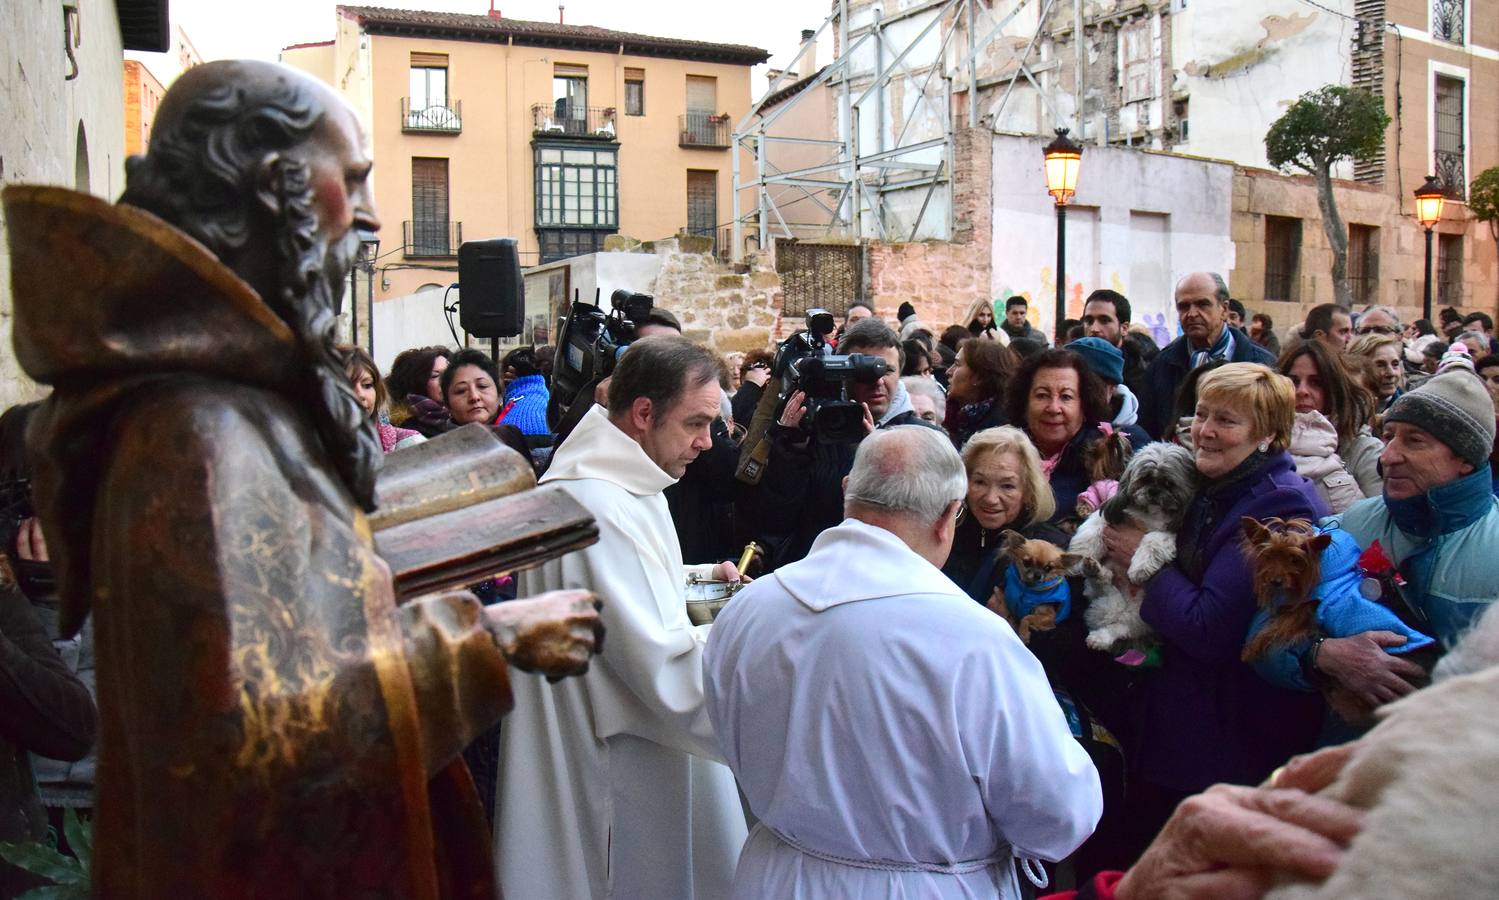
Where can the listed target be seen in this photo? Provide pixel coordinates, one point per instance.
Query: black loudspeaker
(491, 293)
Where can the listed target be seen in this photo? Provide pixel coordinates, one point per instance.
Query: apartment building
(556, 135)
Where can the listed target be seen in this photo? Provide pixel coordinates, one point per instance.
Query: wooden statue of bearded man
(272, 724)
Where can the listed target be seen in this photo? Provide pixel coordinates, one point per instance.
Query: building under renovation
(909, 168)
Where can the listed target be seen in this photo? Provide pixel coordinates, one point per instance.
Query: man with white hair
(927, 398)
(893, 737)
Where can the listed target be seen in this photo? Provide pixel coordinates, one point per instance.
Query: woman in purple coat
(1205, 717)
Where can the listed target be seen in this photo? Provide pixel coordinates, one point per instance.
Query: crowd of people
(909, 694)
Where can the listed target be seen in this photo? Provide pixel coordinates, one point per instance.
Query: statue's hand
(554, 634)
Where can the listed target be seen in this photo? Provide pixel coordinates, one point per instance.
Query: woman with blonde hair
(1006, 489)
(1386, 353)
(1204, 716)
(981, 322)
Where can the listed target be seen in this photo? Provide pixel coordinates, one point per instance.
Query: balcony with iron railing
(1451, 173)
(565, 120)
(703, 129)
(437, 118)
(431, 238)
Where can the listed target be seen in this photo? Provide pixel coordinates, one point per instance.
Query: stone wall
(723, 306)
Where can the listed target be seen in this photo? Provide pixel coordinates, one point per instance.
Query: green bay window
(577, 198)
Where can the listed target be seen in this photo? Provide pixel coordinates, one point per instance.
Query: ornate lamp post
(1429, 199)
(1063, 159)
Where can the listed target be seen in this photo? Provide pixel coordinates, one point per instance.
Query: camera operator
(801, 493)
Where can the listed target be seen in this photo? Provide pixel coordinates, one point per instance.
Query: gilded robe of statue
(272, 725)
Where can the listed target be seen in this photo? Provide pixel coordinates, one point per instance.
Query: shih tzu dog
(1157, 486)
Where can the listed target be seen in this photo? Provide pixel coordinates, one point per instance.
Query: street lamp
(1429, 199)
(1063, 159)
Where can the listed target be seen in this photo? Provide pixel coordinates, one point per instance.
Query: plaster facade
(491, 161)
(57, 131)
(1140, 221)
(142, 96)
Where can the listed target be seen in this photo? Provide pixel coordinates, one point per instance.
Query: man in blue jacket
(1437, 522)
(1202, 309)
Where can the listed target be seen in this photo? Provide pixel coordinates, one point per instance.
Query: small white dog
(1155, 490)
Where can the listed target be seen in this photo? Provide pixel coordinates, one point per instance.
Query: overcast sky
(259, 29)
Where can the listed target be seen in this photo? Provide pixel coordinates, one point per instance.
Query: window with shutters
(428, 106)
(1363, 262)
(1449, 130)
(577, 198)
(700, 125)
(702, 203)
(430, 232)
(1450, 269)
(634, 92)
(1282, 256)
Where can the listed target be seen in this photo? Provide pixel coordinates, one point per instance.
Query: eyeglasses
(1378, 329)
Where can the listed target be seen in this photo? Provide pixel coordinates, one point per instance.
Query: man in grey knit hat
(1437, 522)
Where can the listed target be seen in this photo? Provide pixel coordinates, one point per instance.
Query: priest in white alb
(894, 738)
(611, 785)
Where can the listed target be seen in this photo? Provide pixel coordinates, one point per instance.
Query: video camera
(804, 364)
(588, 345)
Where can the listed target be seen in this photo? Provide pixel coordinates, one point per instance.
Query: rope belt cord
(889, 865)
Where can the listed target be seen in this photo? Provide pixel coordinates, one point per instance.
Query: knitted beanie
(1106, 360)
(904, 311)
(1454, 408)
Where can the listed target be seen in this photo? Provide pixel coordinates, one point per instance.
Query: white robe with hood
(880, 721)
(606, 788)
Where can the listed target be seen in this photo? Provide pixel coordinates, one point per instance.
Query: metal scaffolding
(875, 172)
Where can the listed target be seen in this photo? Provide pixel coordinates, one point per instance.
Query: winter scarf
(1223, 348)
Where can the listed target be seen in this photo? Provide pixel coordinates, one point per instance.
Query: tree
(1322, 128)
(1483, 198)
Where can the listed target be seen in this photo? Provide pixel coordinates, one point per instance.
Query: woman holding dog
(1204, 716)
(1006, 490)
(1059, 402)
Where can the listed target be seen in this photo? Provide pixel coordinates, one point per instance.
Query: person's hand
(868, 419)
(554, 634)
(1229, 842)
(728, 571)
(1360, 666)
(30, 544)
(601, 392)
(1121, 542)
(758, 376)
(1311, 772)
(796, 408)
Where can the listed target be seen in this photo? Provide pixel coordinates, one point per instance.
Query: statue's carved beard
(313, 270)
